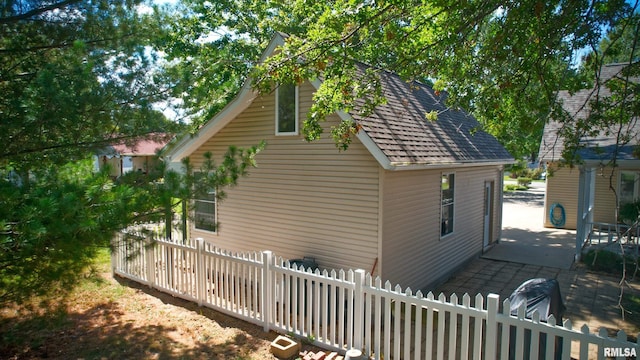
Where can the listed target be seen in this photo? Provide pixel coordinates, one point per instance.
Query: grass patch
(608, 261)
(96, 283)
(30, 325)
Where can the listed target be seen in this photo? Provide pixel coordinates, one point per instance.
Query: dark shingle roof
(600, 147)
(401, 130)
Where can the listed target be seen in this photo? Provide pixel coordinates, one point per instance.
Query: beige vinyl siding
(114, 163)
(144, 163)
(303, 199)
(604, 198)
(414, 252)
(562, 188)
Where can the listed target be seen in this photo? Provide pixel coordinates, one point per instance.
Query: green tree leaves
(210, 47)
(504, 62)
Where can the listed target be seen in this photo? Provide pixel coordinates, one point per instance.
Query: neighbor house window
(447, 202)
(287, 110)
(205, 210)
(628, 186)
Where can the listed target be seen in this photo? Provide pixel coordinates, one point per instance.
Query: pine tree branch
(80, 144)
(37, 11)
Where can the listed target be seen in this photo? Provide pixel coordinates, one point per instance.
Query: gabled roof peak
(397, 133)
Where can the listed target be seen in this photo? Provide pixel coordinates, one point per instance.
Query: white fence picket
(344, 310)
(417, 341)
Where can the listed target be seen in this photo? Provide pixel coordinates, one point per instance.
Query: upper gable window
(287, 110)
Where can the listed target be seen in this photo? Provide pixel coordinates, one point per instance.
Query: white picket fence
(349, 309)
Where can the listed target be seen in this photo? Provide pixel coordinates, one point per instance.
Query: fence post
(148, 248)
(200, 275)
(115, 252)
(265, 290)
(492, 326)
(358, 309)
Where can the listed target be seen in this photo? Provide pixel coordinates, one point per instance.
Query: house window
(628, 186)
(287, 110)
(447, 202)
(205, 211)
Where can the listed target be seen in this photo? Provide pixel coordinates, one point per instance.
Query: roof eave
(188, 143)
(619, 163)
(448, 165)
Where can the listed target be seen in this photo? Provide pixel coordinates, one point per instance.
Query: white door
(488, 212)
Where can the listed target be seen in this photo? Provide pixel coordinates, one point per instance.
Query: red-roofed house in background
(139, 155)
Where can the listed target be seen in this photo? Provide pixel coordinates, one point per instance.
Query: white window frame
(213, 201)
(636, 184)
(452, 204)
(277, 120)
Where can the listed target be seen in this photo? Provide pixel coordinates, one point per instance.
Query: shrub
(535, 174)
(524, 181)
(514, 187)
(629, 212)
(516, 170)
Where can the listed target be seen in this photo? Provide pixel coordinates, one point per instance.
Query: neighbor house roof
(603, 145)
(397, 133)
(143, 146)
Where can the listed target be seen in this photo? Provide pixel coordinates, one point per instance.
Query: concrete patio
(529, 250)
(524, 239)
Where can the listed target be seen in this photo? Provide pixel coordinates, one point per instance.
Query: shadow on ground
(551, 248)
(529, 198)
(133, 330)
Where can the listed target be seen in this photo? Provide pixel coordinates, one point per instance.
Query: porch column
(586, 187)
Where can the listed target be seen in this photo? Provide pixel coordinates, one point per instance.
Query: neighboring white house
(411, 200)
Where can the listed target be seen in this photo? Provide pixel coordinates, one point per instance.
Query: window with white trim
(287, 110)
(205, 209)
(629, 186)
(447, 195)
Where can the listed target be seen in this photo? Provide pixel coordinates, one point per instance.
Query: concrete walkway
(524, 238)
(529, 250)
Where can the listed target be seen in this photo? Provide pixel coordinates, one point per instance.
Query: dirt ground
(109, 318)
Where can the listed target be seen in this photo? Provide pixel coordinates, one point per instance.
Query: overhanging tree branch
(79, 144)
(37, 11)
(61, 45)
